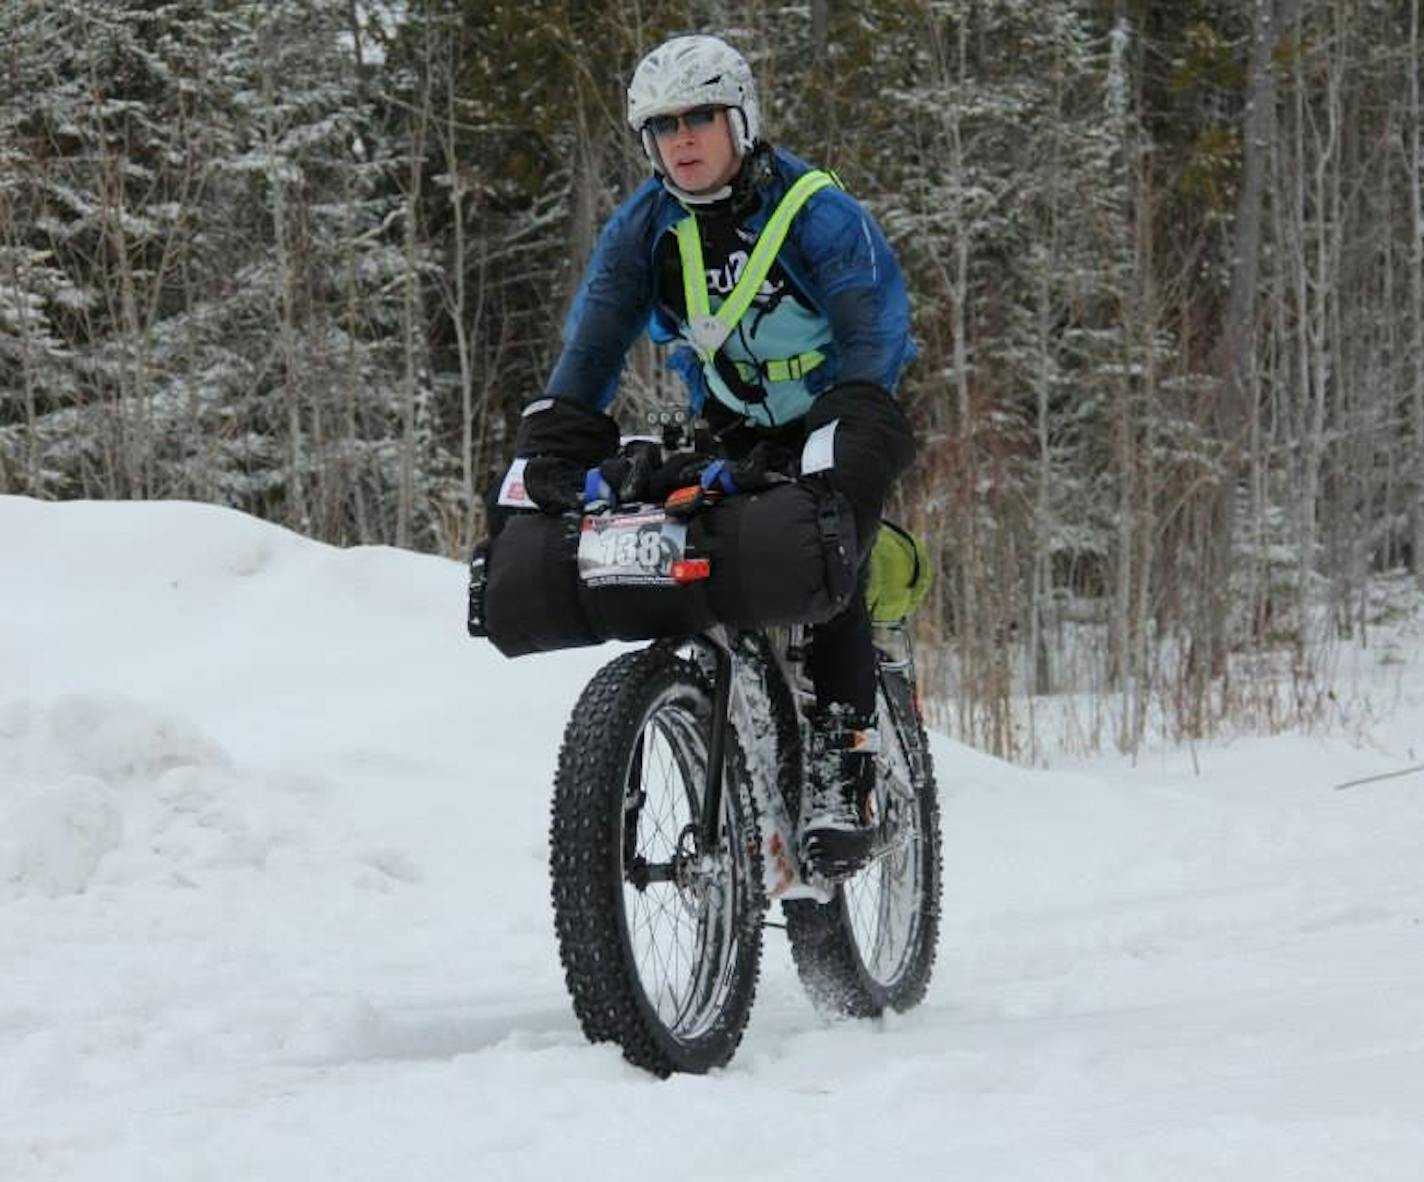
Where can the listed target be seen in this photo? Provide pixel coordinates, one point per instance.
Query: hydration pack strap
(707, 329)
(787, 369)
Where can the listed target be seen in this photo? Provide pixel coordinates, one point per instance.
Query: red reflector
(681, 498)
(689, 570)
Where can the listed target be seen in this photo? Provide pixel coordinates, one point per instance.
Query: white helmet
(696, 71)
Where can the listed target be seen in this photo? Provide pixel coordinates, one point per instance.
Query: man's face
(696, 149)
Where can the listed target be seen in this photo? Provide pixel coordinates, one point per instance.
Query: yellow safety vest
(708, 329)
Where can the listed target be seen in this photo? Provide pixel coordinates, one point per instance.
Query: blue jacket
(835, 253)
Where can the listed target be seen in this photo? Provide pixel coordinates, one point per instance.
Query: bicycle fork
(716, 749)
(783, 876)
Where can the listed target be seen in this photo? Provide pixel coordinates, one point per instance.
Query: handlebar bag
(531, 595)
(783, 556)
(637, 578)
(558, 581)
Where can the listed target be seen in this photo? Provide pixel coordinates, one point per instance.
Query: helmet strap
(696, 198)
(741, 136)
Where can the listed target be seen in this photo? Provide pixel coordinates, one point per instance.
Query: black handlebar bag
(783, 556)
(531, 587)
(786, 555)
(564, 581)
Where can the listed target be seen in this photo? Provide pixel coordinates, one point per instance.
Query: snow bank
(273, 904)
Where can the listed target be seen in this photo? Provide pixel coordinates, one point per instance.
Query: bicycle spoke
(649, 967)
(679, 932)
(881, 903)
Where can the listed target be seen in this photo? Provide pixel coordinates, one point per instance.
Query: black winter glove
(558, 485)
(555, 484)
(873, 444)
(679, 470)
(558, 427)
(627, 475)
(558, 440)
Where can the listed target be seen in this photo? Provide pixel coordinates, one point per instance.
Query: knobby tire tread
(824, 948)
(586, 883)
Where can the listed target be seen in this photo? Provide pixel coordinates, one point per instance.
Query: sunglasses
(698, 119)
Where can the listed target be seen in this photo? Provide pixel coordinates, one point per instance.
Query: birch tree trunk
(967, 622)
(1306, 387)
(1142, 331)
(289, 361)
(1239, 406)
(412, 321)
(1415, 163)
(1040, 563)
(456, 291)
(1319, 275)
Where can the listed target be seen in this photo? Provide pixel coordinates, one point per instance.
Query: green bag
(900, 574)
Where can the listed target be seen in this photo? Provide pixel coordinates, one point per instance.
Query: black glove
(677, 471)
(559, 484)
(874, 443)
(555, 484)
(627, 476)
(558, 427)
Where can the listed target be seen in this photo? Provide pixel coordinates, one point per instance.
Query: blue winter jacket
(835, 253)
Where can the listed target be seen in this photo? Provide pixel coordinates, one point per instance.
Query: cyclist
(808, 369)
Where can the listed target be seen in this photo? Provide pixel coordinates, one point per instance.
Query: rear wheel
(872, 947)
(660, 939)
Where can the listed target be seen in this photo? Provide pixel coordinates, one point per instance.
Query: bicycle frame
(736, 676)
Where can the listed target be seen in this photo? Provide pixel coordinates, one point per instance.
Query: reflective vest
(707, 329)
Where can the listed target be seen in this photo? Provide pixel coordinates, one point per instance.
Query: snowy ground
(273, 905)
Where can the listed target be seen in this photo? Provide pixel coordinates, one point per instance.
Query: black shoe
(839, 829)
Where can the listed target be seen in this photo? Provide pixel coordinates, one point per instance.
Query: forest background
(308, 259)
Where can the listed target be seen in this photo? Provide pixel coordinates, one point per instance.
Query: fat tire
(823, 945)
(586, 852)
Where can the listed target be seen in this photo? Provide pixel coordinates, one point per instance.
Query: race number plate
(631, 549)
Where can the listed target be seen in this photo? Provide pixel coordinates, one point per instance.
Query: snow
(273, 905)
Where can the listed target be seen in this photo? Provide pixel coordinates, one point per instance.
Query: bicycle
(674, 821)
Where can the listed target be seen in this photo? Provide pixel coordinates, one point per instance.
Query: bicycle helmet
(695, 71)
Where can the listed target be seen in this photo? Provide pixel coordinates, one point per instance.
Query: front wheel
(872, 946)
(660, 939)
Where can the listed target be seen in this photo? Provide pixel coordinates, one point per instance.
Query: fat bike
(675, 824)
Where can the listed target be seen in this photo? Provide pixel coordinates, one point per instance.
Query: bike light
(689, 570)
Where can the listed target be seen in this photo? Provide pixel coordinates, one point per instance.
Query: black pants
(873, 445)
(842, 658)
